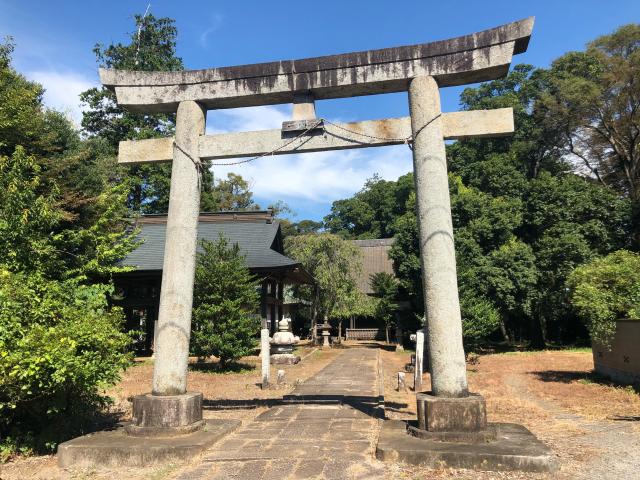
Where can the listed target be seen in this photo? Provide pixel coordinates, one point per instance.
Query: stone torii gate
(420, 70)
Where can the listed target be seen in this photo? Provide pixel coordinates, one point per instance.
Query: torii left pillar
(170, 408)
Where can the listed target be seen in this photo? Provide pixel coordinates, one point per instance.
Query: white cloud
(216, 23)
(317, 177)
(62, 91)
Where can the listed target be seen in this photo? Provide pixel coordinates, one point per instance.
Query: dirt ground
(226, 395)
(557, 397)
(553, 393)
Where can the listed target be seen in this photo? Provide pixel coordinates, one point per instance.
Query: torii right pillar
(449, 406)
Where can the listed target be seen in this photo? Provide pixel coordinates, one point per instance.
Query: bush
(60, 346)
(225, 302)
(605, 290)
(480, 319)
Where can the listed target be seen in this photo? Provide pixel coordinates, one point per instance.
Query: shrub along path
(325, 429)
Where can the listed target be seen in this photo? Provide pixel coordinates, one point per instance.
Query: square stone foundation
(116, 448)
(451, 414)
(514, 449)
(164, 429)
(166, 415)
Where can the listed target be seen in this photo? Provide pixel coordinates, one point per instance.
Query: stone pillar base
(446, 414)
(162, 415)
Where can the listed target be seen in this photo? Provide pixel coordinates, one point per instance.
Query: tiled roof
(375, 258)
(256, 238)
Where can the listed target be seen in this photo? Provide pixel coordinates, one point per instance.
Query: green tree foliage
(27, 217)
(593, 105)
(150, 47)
(303, 227)
(33, 237)
(234, 193)
(225, 302)
(21, 100)
(372, 211)
(60, 346)
(605, 290)
(385, 287)
(522, 220)
(334, 263)
(61, 222)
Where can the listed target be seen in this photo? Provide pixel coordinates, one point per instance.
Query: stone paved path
(325, 429)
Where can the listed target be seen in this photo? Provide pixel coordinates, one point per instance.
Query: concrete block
(515, 449)
(445, 414)
(116, 449)
(167, 411)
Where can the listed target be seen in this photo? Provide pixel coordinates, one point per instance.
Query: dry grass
(553, 393)
(227, 395)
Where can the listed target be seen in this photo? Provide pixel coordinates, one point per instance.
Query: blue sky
(55, 40)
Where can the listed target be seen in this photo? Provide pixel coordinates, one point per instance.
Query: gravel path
(617, 443)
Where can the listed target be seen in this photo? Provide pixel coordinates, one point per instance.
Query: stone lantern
(325, 328)
(282, 344)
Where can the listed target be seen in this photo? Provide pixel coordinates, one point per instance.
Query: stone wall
(622, 362)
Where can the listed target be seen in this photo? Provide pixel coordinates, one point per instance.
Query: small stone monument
(282, 344)
(325, 328)
(264, 357)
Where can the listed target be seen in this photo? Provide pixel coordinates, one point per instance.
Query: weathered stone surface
(471, 58)
(304, 107)
(455, 125)
(176, 294)
(284, 359)
(265, 357)
(446, 414)
(167, 410)
(488, 434)
(117, 449)
(418, 367)
(315, 440)
(515, 448)
(437, 252)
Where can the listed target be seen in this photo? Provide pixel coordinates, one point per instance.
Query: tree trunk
(386, 332)
(340, 331)
(503, 330)
(314, 318)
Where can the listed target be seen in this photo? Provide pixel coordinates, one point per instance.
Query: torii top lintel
(476, 57)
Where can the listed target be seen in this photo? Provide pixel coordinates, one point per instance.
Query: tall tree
(225, 302)
(150, 47)
(593, 103)
(61, 342)
(232, 193)
(385, 287)
(372, 211)
(333, 263)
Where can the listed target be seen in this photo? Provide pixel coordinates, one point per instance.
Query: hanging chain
(247, 160)
(405, 140)
(320, 122)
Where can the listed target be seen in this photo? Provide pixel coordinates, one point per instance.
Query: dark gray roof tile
(255, 240)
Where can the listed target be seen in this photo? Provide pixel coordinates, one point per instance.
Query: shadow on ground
(210, 367)
(564, 376)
